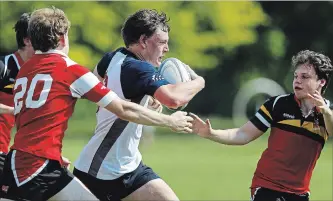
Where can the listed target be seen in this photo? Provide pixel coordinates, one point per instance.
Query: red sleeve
(85, 84)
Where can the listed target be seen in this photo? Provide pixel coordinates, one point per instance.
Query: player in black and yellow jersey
(9, 67)
(300, 123)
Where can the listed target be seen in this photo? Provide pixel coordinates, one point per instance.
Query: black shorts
(51, 180)
(264, 194)
(115, 190)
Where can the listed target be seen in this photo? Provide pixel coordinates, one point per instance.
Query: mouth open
(298, 88)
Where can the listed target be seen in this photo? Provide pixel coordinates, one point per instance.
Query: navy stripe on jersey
(111, 137)
(138, 78)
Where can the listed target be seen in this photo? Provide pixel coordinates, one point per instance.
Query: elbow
(202, 82)
(173, 103)
(122, 115)
(122, 111)
(245, 142)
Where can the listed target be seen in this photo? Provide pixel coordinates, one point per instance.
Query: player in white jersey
(111, 165)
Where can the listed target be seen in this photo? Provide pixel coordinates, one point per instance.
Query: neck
(137, 53)
(306, 106)
(62, 49)
(23, 54)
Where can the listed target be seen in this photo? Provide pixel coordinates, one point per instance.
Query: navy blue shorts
(115, 190)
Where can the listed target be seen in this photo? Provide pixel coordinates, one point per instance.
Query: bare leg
(154, 190)
(75, 190)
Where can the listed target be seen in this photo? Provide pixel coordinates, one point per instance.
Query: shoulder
(106, 59)
(280, 99)
(138, 65)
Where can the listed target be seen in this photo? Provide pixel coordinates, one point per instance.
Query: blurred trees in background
(228, 43)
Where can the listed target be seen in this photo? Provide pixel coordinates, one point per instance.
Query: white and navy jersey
(114, 148)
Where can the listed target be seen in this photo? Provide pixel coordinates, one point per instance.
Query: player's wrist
(170, 123)
(326, 111)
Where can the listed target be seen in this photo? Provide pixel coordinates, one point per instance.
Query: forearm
(187, 90)
(328, 118)
(229, 137)
(5, 109)
(140, 115)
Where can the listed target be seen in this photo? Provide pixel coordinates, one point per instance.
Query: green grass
(198, 169)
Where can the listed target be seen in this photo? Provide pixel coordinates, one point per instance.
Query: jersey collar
(51, 52)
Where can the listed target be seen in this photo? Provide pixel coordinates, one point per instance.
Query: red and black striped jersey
(45, 92)
(294, 145)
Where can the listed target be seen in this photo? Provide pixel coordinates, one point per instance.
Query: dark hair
(143, 22)
(46, 26)
(321, 63)
(21, 29)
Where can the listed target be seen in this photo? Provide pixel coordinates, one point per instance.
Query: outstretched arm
(236, 136)
(178, 121)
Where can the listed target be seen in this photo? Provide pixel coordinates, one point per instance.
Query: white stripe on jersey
(17, 63)
(83, 84)
(6, 63)
(277, 98)
(69, 62)
(263, 120)
(18, 183)
(107, 99)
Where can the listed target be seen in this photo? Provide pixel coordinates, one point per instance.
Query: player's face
(306, 81)
(156, 47)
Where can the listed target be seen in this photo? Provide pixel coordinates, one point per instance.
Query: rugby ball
(174, 71)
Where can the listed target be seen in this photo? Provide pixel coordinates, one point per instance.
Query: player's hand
(319, 102)
(181, 122)
(67, 162)
(193, 74)
(201, 128)
(155, 105)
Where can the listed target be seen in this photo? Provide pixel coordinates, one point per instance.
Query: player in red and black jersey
(45, 92)
(300, 123)
(9, 67)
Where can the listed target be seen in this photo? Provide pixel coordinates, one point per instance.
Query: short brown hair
(143, 22)
(46, 26)
(321, 63)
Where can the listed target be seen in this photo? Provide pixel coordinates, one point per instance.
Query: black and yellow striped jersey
(294, 144)
(9, 67)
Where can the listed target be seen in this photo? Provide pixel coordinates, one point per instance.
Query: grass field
(198, 169)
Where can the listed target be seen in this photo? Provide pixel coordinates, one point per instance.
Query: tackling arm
(138, 114)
